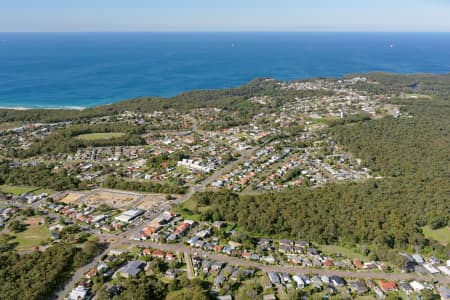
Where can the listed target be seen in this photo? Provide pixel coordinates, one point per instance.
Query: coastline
(15, 108)
(81, 108)
(20, 108)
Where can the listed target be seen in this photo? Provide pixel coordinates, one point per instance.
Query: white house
(78, 293)
(417, 286)
(445, 270)
(430, 268)
(299, 281)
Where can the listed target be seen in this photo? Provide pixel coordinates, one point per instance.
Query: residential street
(290, 269)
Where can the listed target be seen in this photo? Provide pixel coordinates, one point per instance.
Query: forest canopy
(37, 275)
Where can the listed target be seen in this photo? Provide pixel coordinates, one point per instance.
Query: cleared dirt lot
(117, 200)
(72, 198)
(33, 221)
(150, 201)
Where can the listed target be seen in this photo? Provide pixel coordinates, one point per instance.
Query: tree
(249, 290)
(28, 212)
(295, 294)
(189, 293)
(144, 288)
(36, 275)
(16, 226)
(5, 242)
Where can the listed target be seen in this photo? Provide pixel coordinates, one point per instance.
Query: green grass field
(40, 191)
(32, 237)
(9, 125)
(334, 249)
(190, 206)
(100, 136)
(17, 190)
(441, 235)
(365, 297)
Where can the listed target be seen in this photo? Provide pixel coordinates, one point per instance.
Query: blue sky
(224, 15)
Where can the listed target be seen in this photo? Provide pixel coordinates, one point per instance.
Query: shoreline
(351, 74)
(21, 108)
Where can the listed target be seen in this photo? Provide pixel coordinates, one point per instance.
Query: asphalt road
(190, 268)
(293, 269)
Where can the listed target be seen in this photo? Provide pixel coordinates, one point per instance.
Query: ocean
(89, 69)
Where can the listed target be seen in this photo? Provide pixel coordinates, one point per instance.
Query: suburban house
(274, 278)
(219, 281)
(79, 293)
(405, 288)
(131, 269)
(357, 287)
(337, 281)
(387, 286)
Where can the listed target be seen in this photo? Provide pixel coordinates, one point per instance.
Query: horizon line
(231, 31)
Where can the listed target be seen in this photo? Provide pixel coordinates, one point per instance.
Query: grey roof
(286, 242)
(54, 235)
(405, 286)
(337, 280)
(444, 292)
(273, 277)
(358, 286)
(133, 267)
(219, 280)
(301, 243)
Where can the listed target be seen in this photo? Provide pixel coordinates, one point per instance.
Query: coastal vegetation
(230, 99)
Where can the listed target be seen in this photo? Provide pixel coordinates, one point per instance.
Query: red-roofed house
(149, 230)
(387, 286)
(147, 251)
(328, 263)
(357, 263)
(159, 254)
(182, 228)
(91, 272)
(170, 256)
